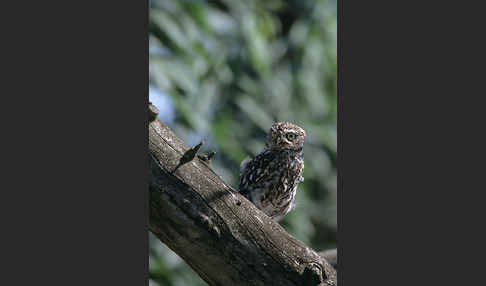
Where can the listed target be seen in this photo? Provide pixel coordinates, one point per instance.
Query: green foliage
(234, 67)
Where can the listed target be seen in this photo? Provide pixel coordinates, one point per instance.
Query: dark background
(74, 201)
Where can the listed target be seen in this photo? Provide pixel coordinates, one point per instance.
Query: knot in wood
(313, 274)
(208, 222)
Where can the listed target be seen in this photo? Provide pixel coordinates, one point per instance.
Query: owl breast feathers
(270, 179)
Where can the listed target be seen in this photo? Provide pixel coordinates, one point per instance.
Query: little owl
(270, 179)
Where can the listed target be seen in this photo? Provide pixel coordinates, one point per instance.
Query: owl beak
(287, 142)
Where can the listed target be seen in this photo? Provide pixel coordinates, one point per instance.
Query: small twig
(207, 157)
(188, 156)
(153, 112)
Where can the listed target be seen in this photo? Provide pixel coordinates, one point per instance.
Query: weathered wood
(220, 234)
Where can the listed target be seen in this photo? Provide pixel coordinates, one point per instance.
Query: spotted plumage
(270, 179)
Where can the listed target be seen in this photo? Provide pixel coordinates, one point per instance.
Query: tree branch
(220, 234)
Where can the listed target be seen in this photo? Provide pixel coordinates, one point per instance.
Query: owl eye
(291, 136)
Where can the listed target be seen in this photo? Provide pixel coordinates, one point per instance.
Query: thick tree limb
(220, 234)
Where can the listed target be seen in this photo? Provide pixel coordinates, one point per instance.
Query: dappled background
(224, 71)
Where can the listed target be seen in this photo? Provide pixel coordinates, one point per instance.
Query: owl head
(285, 136)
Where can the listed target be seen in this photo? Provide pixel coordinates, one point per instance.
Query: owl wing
(256, 173)
(243, 165)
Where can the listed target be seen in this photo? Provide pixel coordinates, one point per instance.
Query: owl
(270, 179)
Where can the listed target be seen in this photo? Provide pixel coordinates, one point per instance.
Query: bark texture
(220, 234)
